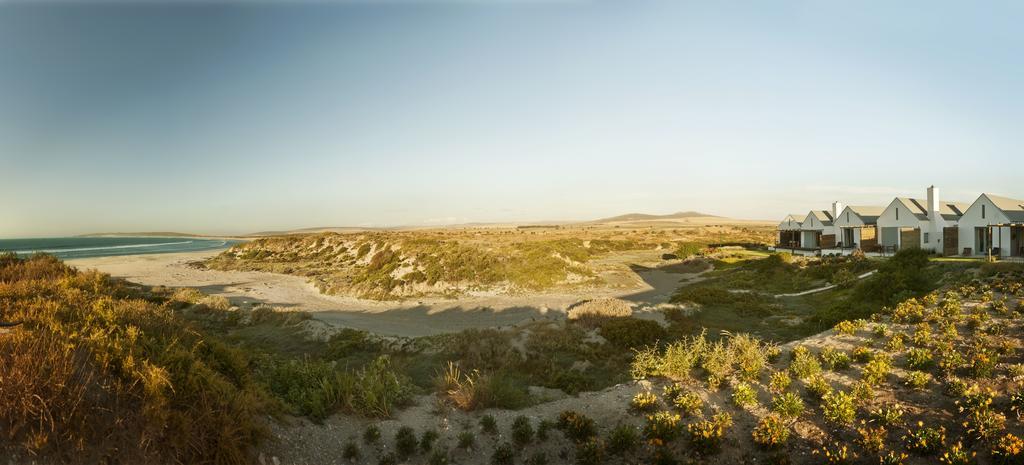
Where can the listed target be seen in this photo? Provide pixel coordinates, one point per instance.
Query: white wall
(972, 219)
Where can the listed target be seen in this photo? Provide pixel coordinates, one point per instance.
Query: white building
(909, 222)
(816, 230)
(992, 222)
(855, 227)
(789, 232)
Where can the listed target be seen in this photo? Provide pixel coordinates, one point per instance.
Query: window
(982, 212)
(847, 217)
(898, 214)
(926, 238)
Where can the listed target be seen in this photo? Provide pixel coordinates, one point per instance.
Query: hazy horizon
(232, 118)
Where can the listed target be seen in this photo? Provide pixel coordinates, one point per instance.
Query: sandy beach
(420, 317)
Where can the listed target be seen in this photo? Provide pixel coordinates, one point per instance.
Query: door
(980, 241)
(847, 237)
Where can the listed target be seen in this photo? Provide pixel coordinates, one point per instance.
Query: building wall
(972, 219)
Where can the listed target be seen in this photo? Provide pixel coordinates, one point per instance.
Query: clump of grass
(371, 435)
(488, 424)
(778, 382)
(835, 359)
(406, 442)
(598, 309)
(690, 404)
(522, 430)
(804, 364)
(428, 439)
(466, 440)
(591, 452)
(351, 452)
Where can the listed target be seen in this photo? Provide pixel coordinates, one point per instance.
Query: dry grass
(97, 375)
(595, 310)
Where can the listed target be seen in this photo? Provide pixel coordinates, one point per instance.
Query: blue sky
(238, 117)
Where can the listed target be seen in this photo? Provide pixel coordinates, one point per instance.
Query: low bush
(662, 427)
(427, 440)
(925, 441)
(1009, 449)
(804, 364)
(871, 438)
(504, 454)
(838, 408)
(644, 401)
(623, 439)
(957, 455)
(591, 452)
(876, 371)
(628, 333)
(771, 432)
(917, 380)
(371, 435)
(690, 404)
(778, 382)
(705, 436)
(744, 395)
(465, 440)
(351, 452)
(576, 426)
(835, 360)
(919, 359)
(817, 387)
(788, 405)
(888, 414)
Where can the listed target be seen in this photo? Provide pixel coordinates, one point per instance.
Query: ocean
(85, 247)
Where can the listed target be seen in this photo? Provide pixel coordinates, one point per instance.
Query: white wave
(109, 247)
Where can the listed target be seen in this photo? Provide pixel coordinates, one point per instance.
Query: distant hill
(145, 234)
(648, 217)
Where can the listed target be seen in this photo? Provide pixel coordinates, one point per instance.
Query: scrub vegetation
(407, 264)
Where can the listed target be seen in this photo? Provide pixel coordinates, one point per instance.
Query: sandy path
(410, 318)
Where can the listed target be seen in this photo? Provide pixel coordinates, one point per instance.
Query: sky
(235, 117)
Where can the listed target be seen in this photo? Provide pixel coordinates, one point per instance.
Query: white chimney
(935, 221)
(837, 208)
(933, 202)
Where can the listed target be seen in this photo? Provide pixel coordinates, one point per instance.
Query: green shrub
(591, 452)
(538, 458)
(744, 395)
(846, 327)
(925, 441)
(788, 405)
(488, 424)
(522, 430)
(371, 435)
(889, 414)
(956, 455)
(770, 432)
(644, 401)
(778, 382)
(1009, 449)
(917, 380)
(705, 436)
(628, 333)
(542, 429)
(504, 454)
(836, 360)
(427, 440)
(804, 364)
(576, 426)
(871, 438)
(919, 359)
(351, 452)
(690, 404)
(876, 371)
(662, 427)
(623, 439)
(466, 440)
(817, 387)
(838, 408)
(439, 457)
(862, 354)
(405, 442)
